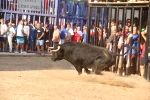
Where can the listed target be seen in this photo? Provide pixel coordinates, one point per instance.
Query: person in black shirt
(40, 39)
(47, 35)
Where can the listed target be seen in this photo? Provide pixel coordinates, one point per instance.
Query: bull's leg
(99, 68)
(87, 71)
(79, 69)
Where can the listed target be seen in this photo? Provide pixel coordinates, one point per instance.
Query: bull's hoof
(98, 73)
(79, 73)
(87, 71)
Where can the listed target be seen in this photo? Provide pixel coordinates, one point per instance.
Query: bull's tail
(131, 47)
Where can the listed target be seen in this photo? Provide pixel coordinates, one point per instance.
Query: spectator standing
(46, 28)
(112, 40)
(92, 33)
(69, 33)
(26, 30)
(133, 39)
(56, 36)
(84, 34)
(14, 37)
(63, 34)
(76, 36)
(10, 34)
(31, 37)
(143, 54)
(40, 40)
(3, 34)
(80, 33)
(119, 70)
(112, 37)
(35, 34)
(20, 38)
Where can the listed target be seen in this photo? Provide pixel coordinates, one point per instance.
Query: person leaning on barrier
(112, 40)
(143, 54)
(133, 40)
(121, 33)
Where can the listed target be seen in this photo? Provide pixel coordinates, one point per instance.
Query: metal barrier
(47, 12)
(120, 12)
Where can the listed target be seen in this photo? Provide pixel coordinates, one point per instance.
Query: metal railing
(122, 10)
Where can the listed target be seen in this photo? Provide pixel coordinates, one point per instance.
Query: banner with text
(32, 5)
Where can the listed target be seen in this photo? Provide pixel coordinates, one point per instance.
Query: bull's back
(83, 53)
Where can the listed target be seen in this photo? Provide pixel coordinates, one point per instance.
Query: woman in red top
(76, 36)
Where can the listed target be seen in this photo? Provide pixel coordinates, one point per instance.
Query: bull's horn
(58, 48)
(50, 47)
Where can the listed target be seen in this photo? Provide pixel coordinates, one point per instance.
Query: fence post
(57, 9)
(147, 50)
(89, 23)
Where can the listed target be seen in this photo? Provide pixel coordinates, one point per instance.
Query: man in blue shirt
(133, 40)
(31, 37)
(84, 34)
(63, 33)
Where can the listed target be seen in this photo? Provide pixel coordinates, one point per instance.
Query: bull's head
(57, 52)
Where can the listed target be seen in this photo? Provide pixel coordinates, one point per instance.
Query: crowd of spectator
(26, 37)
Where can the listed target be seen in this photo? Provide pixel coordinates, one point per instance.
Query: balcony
(46, 7)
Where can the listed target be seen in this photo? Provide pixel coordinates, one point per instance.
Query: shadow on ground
(32, 63)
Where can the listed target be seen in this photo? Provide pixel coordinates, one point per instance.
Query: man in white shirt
(20, 38)
(4, 30)
(69, 34)
(10, 34)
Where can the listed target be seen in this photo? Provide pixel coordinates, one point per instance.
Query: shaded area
(31, 63)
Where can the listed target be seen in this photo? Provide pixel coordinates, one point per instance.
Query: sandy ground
(38, 78)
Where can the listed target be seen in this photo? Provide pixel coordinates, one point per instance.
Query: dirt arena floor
(38, 78)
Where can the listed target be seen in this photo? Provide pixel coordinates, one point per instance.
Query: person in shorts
(20, 38)
(40, 40)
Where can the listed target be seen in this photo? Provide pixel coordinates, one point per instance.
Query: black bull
(84, 56)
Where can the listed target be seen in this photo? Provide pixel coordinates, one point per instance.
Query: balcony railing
(47, 6)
